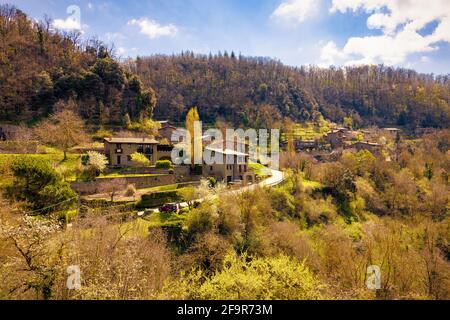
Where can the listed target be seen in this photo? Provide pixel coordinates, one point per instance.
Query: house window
(211, 168)
(129, 159)
(119, 148)
(140, 148)
(148, 150)
(240, 168)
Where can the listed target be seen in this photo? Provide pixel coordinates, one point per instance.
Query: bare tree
(63, 130)
(113, 186)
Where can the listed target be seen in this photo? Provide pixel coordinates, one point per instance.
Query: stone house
(336, 138)
(374, 148)
(119, 150)
(166, 131)
(234, 165)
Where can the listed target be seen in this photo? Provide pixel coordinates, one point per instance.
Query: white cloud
(153, 29)
(122, 51)
(400, 22)
(296, 11)
(425, 59)
(67, 24)
(330, 54)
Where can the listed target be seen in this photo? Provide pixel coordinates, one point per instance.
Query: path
(277, 177)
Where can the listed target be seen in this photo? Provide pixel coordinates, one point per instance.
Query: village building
(233, 166)
(166, 131)
(336, 138)
(374, 148)
(302, 145)
(119, 150)
(393, 132)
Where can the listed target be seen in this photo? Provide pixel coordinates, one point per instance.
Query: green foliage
(164, 164)
(157, 199)
(145, 125)
(251, 278)
(428, 172)
(283, 202)
(140, 159)
(37, 183)
(202, 219)
(101, 134)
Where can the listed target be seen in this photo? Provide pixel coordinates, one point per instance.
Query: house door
(119, 160)
(229, 179)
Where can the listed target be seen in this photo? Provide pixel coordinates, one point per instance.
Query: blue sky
(297, 32)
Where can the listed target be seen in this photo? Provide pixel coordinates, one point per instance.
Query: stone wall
(178, 170)
(18, 147)
(94, 187)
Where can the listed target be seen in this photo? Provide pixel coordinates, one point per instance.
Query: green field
(140, 227)
(309, 131)
(170, 187)
(55, 158)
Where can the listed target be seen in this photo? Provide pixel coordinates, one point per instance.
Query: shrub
(96, 161)
(131, 190)
(37, 183)
(140, 159)
(242, 278)
(101, 134)
(157, 199)
(163, 164)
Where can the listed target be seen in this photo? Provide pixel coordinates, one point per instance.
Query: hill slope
(251, 90)
(39, 67)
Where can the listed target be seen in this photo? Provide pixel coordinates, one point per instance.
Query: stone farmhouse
(337, 138)
(119, 150)
(166, 131)
(234, 165)
(232, 169)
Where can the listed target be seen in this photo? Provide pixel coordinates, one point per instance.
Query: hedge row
(158, 199)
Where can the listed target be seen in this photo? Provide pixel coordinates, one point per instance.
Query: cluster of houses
(233, 169)
(341, 139)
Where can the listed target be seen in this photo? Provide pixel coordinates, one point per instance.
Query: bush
(164, 164)
(101, 134)
(157, 199)
(37, 183)
(140, 159)
(131, 190)
(242, 278)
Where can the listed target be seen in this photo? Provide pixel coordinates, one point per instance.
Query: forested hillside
(257, 90)
(39, 67)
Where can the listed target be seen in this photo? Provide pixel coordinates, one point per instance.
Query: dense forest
(40, 67)
(257, 91)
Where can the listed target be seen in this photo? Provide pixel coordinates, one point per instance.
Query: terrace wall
(94, 187)
(18, 147)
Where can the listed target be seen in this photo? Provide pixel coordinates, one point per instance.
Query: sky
(406, 33)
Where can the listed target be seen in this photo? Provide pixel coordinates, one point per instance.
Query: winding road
(276, 178)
